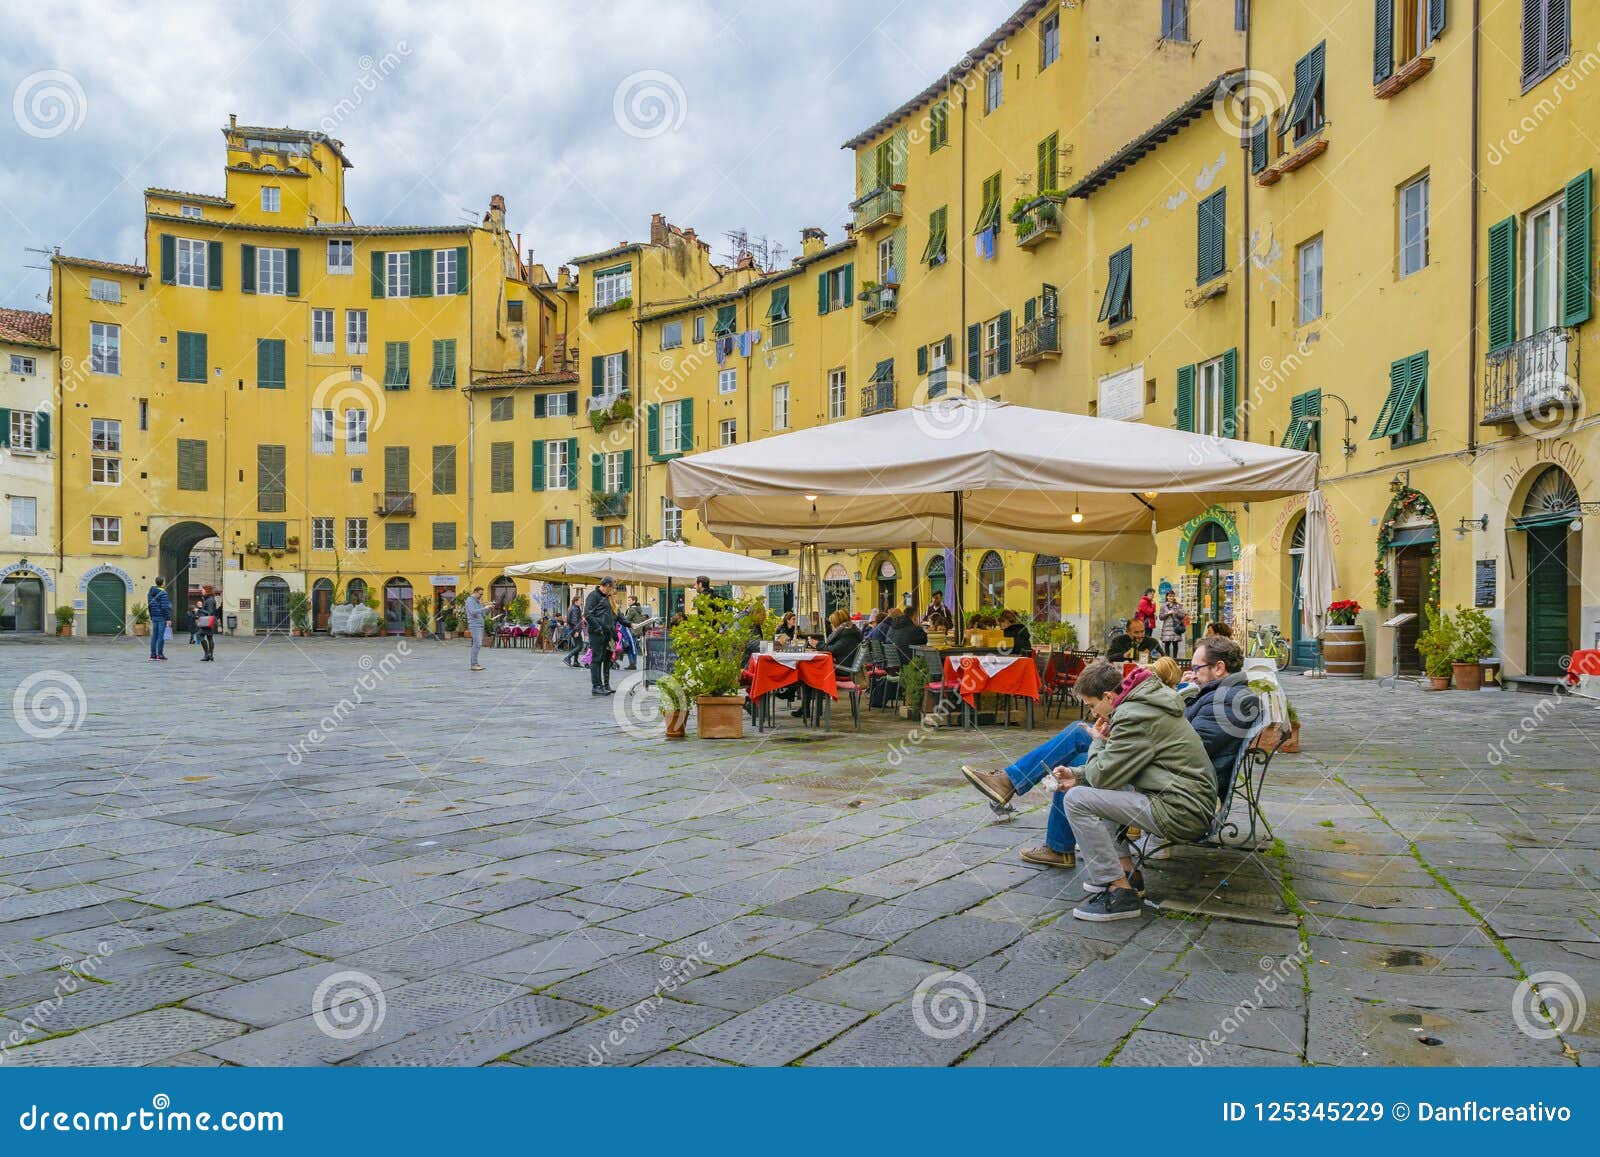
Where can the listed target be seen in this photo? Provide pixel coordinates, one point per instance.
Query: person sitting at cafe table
(904, 633)
(937, 617)
(843, 642)
(758, 623)
(1132, 645)
(878, 627)
(787, 630)
(1069, 748)
(1016, 630)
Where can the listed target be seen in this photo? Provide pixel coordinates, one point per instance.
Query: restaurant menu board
(1485, 582)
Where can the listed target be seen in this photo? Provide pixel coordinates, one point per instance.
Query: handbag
(206, 622)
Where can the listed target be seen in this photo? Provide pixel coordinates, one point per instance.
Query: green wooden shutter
(1005, 342)
(1230, 394)
(687, 415)
(41, 431)
(627, 472)
(422, 273)
(270, 363)
(597, 537)
(1383, 42)
(538, 405)
(169, 259)
(247, 268)
(444, 469)
(291, 272)
(822, 294)
(922, 361)
(1578, 261)
(975, 352)
(1186, 398)
(1436, 18)
(213, 265)
(567, 529)
(1389, 417)
(377, 273)
(1029, 311)
(849, 291)
(270, 470)
(1502, 283)
(192, 357)
(597, 376)
(727, 320)
(652, 426)
(396, 469)
(191, 464)
(1211, 237)
(572, 463)
(597, 472)
(624, 375)
(5, 426)
(1258, 146)
(538, 466)
(461, 269)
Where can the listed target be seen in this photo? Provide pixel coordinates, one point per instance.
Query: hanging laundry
(748, 341)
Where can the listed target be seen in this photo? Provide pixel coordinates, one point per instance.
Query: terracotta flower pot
(678, 723)
(141, 629)
(1438, 683)
(1468, 676)
(720, 716)
(1273, 732)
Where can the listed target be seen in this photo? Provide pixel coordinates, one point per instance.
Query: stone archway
(1544, 604)
(177, 544)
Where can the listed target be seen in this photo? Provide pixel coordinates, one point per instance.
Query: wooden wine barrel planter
(1344, 652)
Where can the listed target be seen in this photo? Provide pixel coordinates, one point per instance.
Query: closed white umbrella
(1317, 574)
(663, 562)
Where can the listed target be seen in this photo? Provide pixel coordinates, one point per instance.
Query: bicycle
(1266, 642)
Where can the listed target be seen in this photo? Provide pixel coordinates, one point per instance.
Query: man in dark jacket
(574, 633)
(600, 617)
(160, 606)
(904, 633)
(1222, 708)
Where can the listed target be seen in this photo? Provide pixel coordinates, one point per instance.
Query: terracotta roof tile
(502, 379)
(108, 266)
(25, 327)
(197, 198)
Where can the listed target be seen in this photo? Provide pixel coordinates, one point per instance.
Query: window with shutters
(838, 397)
(1211, 241)
(672, 335)
(1546, 38)
(1413, 202)
(271, 373)
(1305, 424)
(989, 206)
(502, 535)
(1541, 267)
(1404, 416)
(102, 289)
(557, 405)
(271, 492)
(105, 348)
(727, 432)
(355, 534)
(1306, 108)
(994, 87)
(935, 253)
(444, 362)
(444, 469)
(271, 265)
(502, 409)
(938, 126)
(1049, 40)
(780, 407)
(322, 534)
(1175, 20)
(191, 264)
(342, 258)
(397, 536)
(699, 329)
(727, 381)
(1209, 400)
(614, 474)
(991, 348)
(191, 357)
(672, 429)
(557, 532)
(1309, 294)
(444, 536)
(671, 520)
(272, 535)
(24, 430)
(397, 365)
(1048, 169)
(1116, 307)
(502, 467)
(355, 431)
(612, 285)
(446, 274)
(105, 471)
(322, 331)
(778, 316)
(355, 331)
(105, 435)
(322, 431)
(557, 465)
(614, 374)
(397, 274)
(837, 288)
(105, 530)
(271, 198)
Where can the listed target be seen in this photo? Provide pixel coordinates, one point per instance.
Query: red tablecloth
(1584, 662)
(995, 673)
(768, 673)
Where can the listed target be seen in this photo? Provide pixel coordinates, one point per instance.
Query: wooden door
(1410, 571)
(1549, 639)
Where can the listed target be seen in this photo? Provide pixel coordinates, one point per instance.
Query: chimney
(233, 120)
(746, 261)
(497, 211)
(812, 241)
(658, 229)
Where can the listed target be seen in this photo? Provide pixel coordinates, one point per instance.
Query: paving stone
(827, 948)
(1014, 984)
(957, 941)
(143, 1039)
(625, 1037)
(538, 965)
(630, 980)
(1269, 990)
(1281, 1030)
(897, 1036)
(255, 963)
(1350, 1031)
(98, 1003)
(677, 919)
(872, 984)
(479, 1037)
(678, 1059)
(1163, 1050)
(737, 939)
(777, 1032)
(499, 897)
(290, 995)
(749, 983)
(1058, 1031)
(820, 906)
(884, 921)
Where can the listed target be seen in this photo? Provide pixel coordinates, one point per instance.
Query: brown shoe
(1134, 833)
(1049, 859)
(994, 784)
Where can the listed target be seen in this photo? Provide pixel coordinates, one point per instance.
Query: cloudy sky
(733, 117)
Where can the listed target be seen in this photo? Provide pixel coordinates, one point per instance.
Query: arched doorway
(888, 581)
(271, 606)
(106, 596)
(934, 573)
(355, 592)
(1047, 588)
(1211, 555)
(397, 615)
(22, 603)
(178, 543)
(1408, 549)
(1303, 650)
(991, 581)
(836, 590)
(321, 604)
(502, 591)
(1551, 589)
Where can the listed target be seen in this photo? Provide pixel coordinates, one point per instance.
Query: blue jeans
(158, 636)
(1070, 748)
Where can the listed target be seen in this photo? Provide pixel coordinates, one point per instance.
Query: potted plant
(375, 621)
(141, 619)
(675, 707)
(709, 645)
(424, 605)
(1435, 644)
(1282, 731)
(1344, 643)
(913, 686)
(462, 630)
(65, 613)
(299, 613)
(1474, 642)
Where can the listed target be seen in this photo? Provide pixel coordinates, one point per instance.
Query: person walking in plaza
(574, 633)
(1147, 610)
(1174, 622)
(159, 604)
(600, 617)
(208, 614)
(475, 614)
(194, 620)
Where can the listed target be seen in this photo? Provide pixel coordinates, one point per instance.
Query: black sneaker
(1135, 877)
(1112, 904)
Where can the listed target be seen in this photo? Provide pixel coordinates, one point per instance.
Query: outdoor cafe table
(971, 674)
(775, 671)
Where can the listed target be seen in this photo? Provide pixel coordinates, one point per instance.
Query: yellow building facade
(29, 593)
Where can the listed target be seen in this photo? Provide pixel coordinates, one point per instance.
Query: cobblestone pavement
(340, 853)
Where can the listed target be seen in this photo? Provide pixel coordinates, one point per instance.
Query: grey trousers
(477, 644)
(1095, 814)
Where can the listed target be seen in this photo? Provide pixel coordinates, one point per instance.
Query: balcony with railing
(881, 301)
(1535, 378)
(877, 397)
(395, 502)
(879, 208)
(1039, 339)
(605, 505)
(1038, 220)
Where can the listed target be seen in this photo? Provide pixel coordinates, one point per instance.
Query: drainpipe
(472, 456)
(957, 582)
(1472, 276)
(1249, 241)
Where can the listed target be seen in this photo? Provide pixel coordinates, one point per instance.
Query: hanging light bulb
(1077, 514)
(811, 497)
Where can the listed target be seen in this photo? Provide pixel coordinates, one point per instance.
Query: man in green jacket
(1146, 767)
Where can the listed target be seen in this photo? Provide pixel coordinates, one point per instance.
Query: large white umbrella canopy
(661, 562)
(1317, 574)
(1022, 475)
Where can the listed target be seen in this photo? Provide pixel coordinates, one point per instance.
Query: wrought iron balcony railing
(882, 206)
(1038, 339)
(1536, 378)
(877, 397)
(389, 502)
(882, 301)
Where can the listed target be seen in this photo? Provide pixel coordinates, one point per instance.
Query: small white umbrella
(1317, 574)
(660, 562)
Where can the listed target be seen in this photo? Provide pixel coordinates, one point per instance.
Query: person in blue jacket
(1222, 707)
(160, 606)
